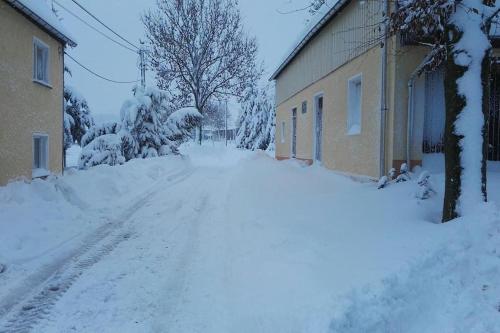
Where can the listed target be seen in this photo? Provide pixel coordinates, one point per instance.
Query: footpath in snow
(222, 240)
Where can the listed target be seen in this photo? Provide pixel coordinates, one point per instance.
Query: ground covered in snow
(222, 240)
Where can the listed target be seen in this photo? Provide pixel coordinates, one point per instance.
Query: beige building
(350, 100)
(32, 46)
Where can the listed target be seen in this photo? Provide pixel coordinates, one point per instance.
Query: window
(40, 62)
(283, 129)
(354, 101)
(40, 155)
(304, 107)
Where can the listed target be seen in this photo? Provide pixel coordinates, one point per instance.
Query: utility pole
(225, 117)
(142, 64)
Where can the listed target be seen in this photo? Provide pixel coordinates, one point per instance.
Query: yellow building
(32, 46)
(352, 100)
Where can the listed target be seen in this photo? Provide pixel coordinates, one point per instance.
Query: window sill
(40, 173)
(42, 83)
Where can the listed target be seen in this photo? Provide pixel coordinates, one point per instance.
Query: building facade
(354, 101)
(31, 91)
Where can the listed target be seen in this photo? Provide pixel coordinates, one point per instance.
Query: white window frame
(37, 43)
(283, 131)
(43, 169)
(354, 110)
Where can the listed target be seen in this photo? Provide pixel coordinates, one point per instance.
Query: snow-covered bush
(105, 149)
(77, 118)
(425, 187)
(98, 130)
(180, 124)
(382, 182)
(404, 174)
(93, 144)
(257, 123)
(392, 174)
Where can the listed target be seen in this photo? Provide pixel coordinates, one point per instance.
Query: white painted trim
(39, 42)
(357, 77)
(314, 110)
(39, 172)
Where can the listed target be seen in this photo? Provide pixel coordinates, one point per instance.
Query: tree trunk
(200, 134)
(455, 104)
(485, 81)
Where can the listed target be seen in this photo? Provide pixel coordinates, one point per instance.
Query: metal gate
(435, 114)
(493, 120)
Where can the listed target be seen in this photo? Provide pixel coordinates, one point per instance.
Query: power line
(94, 28)
(107, 27)
(98, 75)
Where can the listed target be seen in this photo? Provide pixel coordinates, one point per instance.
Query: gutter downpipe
(409, 124)
(383, 89)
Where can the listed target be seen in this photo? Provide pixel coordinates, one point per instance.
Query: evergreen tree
(257, 123)
(78, 114)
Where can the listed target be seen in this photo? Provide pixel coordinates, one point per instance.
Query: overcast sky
(275, 33)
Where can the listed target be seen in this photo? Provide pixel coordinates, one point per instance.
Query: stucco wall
(27, 107)
(357, 154)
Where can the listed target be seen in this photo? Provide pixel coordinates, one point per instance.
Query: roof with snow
(40, 13)
(325, 15)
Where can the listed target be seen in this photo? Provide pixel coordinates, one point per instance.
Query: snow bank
(41, 221)
(455, 289)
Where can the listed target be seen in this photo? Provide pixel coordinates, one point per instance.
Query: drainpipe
(383, 88)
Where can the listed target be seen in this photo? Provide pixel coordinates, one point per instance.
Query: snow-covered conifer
(257, 123)
(141, 117)
(77, 108)
(104, 149)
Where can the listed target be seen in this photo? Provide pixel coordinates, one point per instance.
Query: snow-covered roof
(40, 13)
(320, 19)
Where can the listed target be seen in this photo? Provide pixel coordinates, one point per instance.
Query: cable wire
(94, 28)
(98, 75)
(107, 27)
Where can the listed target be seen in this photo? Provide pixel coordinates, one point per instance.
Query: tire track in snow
(23, 308)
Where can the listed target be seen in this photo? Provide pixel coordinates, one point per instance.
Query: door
(294, 133)
(318, 128)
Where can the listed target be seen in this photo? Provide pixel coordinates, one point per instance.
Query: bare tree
(199, 47)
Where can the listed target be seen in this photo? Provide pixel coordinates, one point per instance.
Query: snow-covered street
(222, 240)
